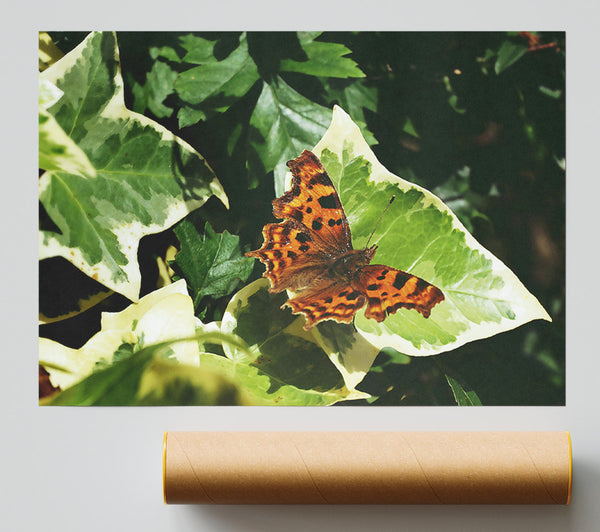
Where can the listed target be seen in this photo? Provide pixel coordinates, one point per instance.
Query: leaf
(555, 94)
(354, 97)
(199, 50)
(419, 234)
(212, 264)
(188, 116)
(163, 315)
(260, 387)
(57, 151)
(165, 383)
(285, 122)
(288, 359)
(453, 98)
(166, 52)
(48, 52)
(110, 386)
(147, 378)
(462, 396)
(457, 194)
(146, 180)
(57, 303)
(508, 54)
(224, 81)
(159, 84)
(323, 59)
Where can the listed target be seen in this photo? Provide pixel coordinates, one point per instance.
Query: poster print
(302, 218)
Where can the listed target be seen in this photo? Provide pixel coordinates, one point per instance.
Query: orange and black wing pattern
(387, 289)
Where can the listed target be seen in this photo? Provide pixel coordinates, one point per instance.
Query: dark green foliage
(212, 263)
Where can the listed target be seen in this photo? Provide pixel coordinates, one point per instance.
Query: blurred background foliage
(478, 118)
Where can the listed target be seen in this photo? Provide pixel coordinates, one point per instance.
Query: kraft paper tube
(367, 467)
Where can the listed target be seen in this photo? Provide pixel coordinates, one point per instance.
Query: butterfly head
(369, 253)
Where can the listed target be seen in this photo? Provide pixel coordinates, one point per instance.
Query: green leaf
(284, 123)
(212, 264)
(222, 81)
(166, 52)
(453, 98)
(324, 59)
(159, 84)
(57, 150)
(163, 315)
(419, 234)
(260, 386)
(148, 378)
(113, 385)
(166, 383)
(199, 50)
(508, 54)
(552, 93)
(189, 116)
(290, 361)
(146, 180)
(409, 128)
(354, 97)
(463, 397)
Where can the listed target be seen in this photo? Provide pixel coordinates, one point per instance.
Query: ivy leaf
(508, 54)
(420, 235)
(159, 85)
(56, 303)
(354, 97)
(188, 116)
(259, 386)
(284, 123)
(146, 378)
(212, 264)
(146, 180)
(199, 50)
(57, 151)
(463, 397)
(325, 59)
(163, 315)
(290, 356)
(223, 82)
(166, 52)
(165, 383)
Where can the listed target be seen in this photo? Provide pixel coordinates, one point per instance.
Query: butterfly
(310, 253)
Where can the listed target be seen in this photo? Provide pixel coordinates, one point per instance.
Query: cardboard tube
(367, 467)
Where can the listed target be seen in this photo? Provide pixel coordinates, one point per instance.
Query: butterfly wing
(388, 289)
(300, 254)
(313, 201)
(299, 250)
(328, 300)
(291, 255)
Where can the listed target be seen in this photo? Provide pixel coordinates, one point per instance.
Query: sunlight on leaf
(146, 178)
(165, 314)
(422, 236)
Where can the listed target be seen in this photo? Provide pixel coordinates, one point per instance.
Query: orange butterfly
(311, 254)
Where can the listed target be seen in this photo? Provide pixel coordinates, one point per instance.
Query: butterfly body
(310, 253)
(348, 266)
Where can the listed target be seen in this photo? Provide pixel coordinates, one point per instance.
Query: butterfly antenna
(380, 218)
